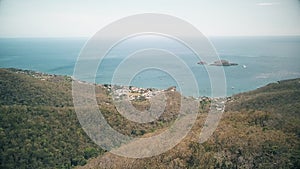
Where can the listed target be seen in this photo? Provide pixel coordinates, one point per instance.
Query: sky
(83, 18)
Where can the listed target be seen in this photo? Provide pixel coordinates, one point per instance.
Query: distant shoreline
(43, 76)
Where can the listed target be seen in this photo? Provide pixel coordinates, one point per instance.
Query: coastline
(39, 101)
(121, 90)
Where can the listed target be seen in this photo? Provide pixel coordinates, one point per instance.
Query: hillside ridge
(39, 128)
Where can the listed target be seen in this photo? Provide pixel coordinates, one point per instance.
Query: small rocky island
(201, 63)
(223, 63)
(218, 63)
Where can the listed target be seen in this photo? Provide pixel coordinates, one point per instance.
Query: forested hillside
(38, 125)
(39, 128)
(259, 129)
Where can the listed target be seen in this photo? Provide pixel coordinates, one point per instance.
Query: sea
(261, 60)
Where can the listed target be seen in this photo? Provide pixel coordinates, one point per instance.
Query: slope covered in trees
(259, 129)
(39, 128)
(38, 125)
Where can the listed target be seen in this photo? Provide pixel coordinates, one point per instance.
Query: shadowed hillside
(38, 125)
(39, 128)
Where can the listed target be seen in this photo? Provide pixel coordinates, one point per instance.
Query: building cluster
(44, 76)
(37, 75)
(131, 93)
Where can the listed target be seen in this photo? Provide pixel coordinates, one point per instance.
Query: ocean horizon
(261, 60)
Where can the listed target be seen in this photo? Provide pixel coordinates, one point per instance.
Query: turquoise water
(261, 60)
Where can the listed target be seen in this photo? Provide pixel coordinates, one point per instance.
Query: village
(133, 93)
(120, 92)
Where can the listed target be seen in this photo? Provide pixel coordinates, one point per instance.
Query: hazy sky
(65, 18)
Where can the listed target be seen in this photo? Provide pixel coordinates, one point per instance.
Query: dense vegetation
(38, 125)
(259, 129)
(39, 128)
